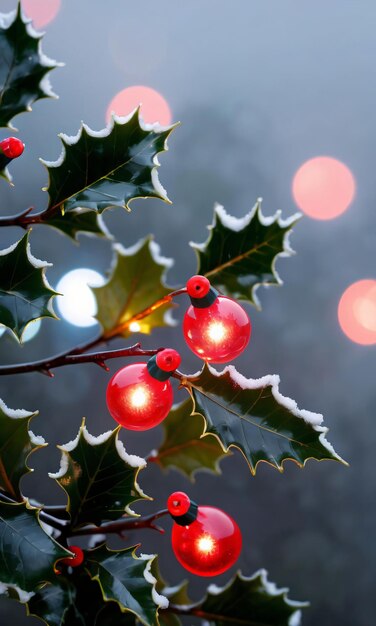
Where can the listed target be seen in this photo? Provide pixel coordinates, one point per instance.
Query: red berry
(12, 147)
(77, 559)
(208, 546)
(219, 332)
(178, 503)
(198, 286)
(168, 360)
(137, 400)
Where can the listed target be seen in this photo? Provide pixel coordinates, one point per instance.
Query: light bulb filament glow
(206, 544)
(217, 332)
(139, 398)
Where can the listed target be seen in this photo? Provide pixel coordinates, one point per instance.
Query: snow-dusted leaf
(176, 595)
(76, 600)
(25, 294)
(240, 253)
(17, 442)
(99, 170)
(85, 221)
(127, 579)
(23, 66)
(247, 601)
(184, 447)
(27, 553)
(253, 416)
(99, 477)
(136, 283)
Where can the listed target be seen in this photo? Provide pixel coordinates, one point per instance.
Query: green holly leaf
(27, 553)
(85, 221)
(76, 601)
(127, 580)
(17, 442)
(248, 601)
(23, 66)
(135, 285)
(99, 477)
(25, 295)
(111, 168)
(240, 254)
(253, 416)
(184, 446)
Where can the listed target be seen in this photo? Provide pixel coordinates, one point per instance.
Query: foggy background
(260, 87)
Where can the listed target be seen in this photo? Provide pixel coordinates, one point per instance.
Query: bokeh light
(42, 12)
(77, 305)
(154, 107)
(323, 188)
(357, 312)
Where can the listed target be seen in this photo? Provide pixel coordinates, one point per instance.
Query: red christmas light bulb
(11, 147)
(77, 559)
(140, 396)
(215, 327)
(205, 540)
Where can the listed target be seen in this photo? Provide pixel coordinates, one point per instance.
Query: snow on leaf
(126, 579)
(23, 67)
(240, 253)
(262, 603)
(253, 416)
(99, 478)
(111, 167)
(25, 294)
(17, 442)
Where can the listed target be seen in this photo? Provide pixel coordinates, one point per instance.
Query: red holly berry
(77, 559)
(12, 147)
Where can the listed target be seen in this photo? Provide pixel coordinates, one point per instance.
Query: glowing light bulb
(216, 332)
(206, 544)
(215, 327)
(77, 305)
(140, 396)
(205, 540)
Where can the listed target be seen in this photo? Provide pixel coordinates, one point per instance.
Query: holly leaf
(240, 254)
(76, 601)
(25, 295)
(23, 66)
(184, 447)
(253, 416)
(27, 553)
(99, 477)
(111, 167)
(17, 442)
(85, 221)
(127, 580)
(127, 302)
(249, 601)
